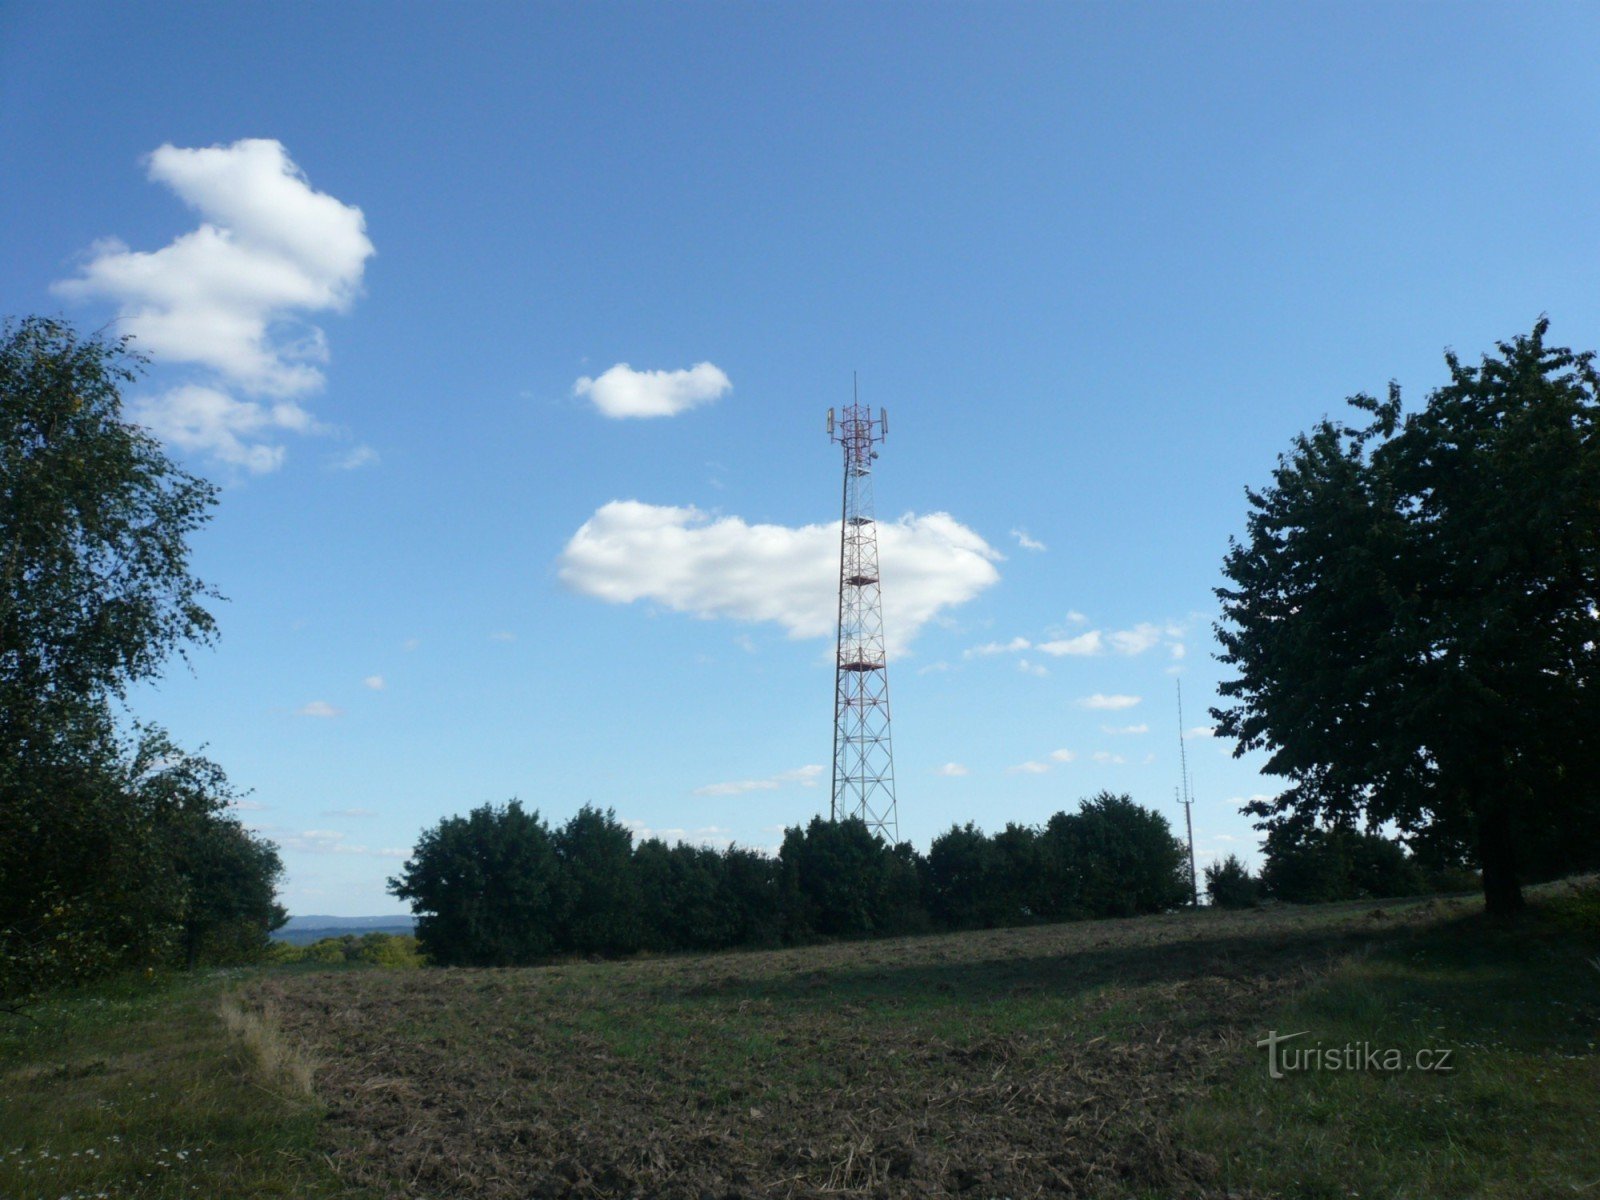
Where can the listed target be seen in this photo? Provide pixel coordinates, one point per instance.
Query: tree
(115, 851)
(1412, 617)
(840, 880)
(1115, 858)
(95, 587)
(1230, 884)
(486, 888)
(600, 903)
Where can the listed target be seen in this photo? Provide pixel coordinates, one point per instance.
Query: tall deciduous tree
(113, 852)
(1413, 618)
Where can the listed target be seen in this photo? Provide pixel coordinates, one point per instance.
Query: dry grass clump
(278, 1060)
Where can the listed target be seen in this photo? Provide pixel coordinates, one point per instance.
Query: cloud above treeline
(231, 299)
(623, 392)
(690, 562)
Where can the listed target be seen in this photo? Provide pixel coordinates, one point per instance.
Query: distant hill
(302, 931)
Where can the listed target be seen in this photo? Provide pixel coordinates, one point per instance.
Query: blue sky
(1100, 263)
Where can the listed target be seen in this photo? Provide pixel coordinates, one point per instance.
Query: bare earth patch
(1005, 1063)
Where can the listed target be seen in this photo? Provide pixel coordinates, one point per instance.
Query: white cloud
(1026, 542)
(952, 769)
(933, 668)
(805, 776)
(624, 392)
(1136, 640)
(1102, 756)
(356, 458)
(1084, 644)
(711, 835)
(231, 295)
(1200, 731)
(1013, 646)
(317, 708)
(1028, 668)
(690, 562)
(1063, 755)
(375, 682)
(208, 421)
(350, 812)
(331, 841)
(1029, 768)
(1179, 650)
(1076, 617)
(410, 644)
(246, 806)
(1102, 701)
(1125, 729)
(502, 635)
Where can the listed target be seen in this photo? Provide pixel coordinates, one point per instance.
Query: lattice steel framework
(863, 759)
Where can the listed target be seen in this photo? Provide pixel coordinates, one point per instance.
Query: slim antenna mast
(1187, 800)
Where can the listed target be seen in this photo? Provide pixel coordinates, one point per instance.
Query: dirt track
(1009, 1063)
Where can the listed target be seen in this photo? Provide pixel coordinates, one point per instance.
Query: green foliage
(374, 949)
(114, 852)
(600, 901)
(839, 880)
(1230, 884)
(486, 888)
(1114, 858)
(1310, 865)
(1411, 617)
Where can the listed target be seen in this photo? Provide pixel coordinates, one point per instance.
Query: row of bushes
(366, 949)
(1307, 864)
(501, 887)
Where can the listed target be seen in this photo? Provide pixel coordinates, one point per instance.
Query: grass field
(1113, 1058)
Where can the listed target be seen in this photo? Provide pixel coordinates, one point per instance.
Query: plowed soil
(1045, 1061)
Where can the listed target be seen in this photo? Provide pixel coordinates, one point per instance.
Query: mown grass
(1518, 1115)
(1083, 1050)
(138, 1088)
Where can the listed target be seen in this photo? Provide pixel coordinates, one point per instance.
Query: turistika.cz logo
(1351, 1056)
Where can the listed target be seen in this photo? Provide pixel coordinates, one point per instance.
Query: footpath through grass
(140, 1089)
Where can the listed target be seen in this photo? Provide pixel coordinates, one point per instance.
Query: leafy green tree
(114, 851)
(95, 587)
(1230, 884)
(840, 880)
(600, 909)
(1412, 619)
(959, 872)
(487, 888)
(1116, 858)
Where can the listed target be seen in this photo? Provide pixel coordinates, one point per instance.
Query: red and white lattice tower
(863, 760)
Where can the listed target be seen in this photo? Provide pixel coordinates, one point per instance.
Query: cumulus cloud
(317, 708)
(1125, 729)
(502, 635)
(1102, 701)
(1087, 644)
(232, 296)
(951, 769)
(1063, 755)
(805, 776)
(356, 458)
(1026, 542)
(1031, 668)
(331, 841)
(1084, 644)
(690, 562)
(1029, 768)
(1200, 731)
(1102, 756)
(205, 420)
(375, 682)
(1013, 646)
(623, 392)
